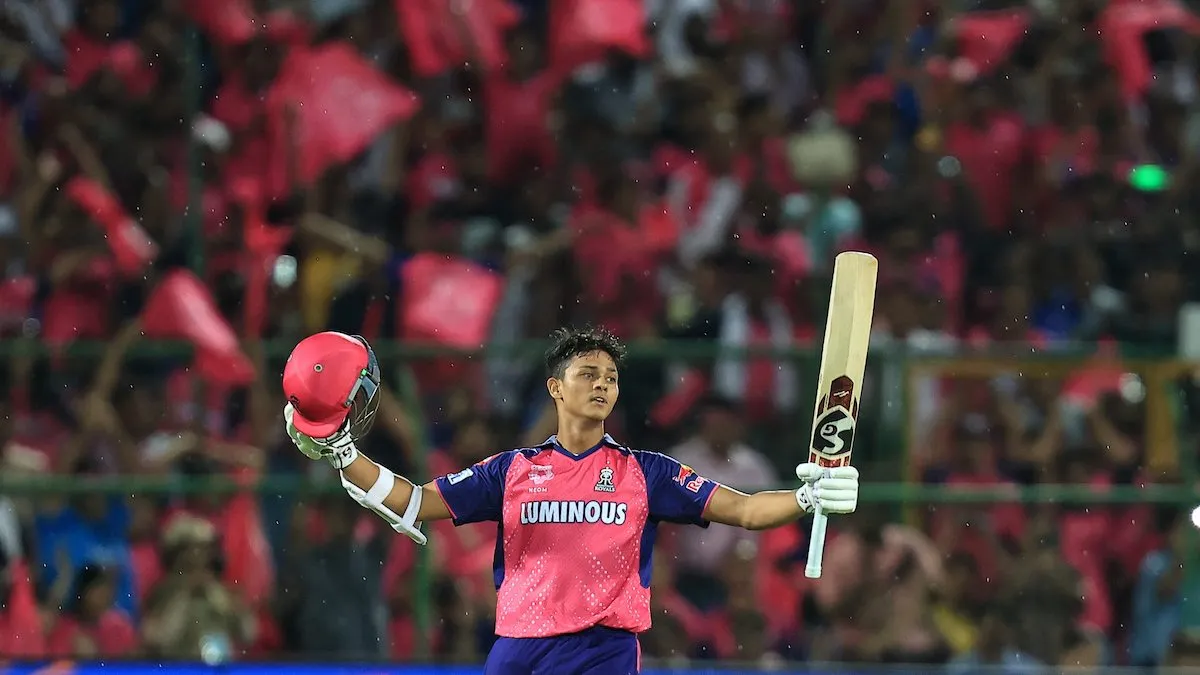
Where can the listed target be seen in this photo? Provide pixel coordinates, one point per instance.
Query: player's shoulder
(613, 444)
(529, 454)
(500, 461)
(493, 468)
(651, 463)
(662, 470)
(653, 460)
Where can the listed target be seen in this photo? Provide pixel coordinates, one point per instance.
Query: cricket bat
(839, 386)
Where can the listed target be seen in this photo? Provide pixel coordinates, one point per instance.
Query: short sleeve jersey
(576, 532)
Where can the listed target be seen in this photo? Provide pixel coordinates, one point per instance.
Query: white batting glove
(338, 449)
(835, 489)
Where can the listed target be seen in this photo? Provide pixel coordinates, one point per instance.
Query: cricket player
(576, 515)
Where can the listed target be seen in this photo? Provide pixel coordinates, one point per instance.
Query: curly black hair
(569, 343)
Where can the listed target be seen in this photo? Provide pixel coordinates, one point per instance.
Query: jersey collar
(605, 440)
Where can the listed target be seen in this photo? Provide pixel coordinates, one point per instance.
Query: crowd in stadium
(234, 172)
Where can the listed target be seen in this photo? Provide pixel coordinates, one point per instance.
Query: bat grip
(816, 544)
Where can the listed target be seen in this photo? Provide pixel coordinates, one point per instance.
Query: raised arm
(332, 383)
(394, 498)
(474, 494)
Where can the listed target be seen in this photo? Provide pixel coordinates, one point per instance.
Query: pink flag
(582, 31)
(342, 103)
(131, 246)
(180, 307)
(448, 300)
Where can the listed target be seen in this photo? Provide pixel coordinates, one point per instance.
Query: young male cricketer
(577, 515)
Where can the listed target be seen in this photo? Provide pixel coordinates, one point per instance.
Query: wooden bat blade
(843, 358)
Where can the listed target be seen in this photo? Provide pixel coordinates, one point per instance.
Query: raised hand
(834, 489)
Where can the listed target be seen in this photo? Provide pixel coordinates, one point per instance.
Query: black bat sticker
(833, 429)
(833, 434)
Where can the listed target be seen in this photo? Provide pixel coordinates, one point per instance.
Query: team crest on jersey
(540, 473)
(605, 484)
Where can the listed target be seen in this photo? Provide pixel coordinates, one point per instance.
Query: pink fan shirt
(576, 531)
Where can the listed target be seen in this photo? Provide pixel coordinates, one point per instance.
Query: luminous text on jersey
(552, 511)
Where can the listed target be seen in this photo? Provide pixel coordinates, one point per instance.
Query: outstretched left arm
(835, 490)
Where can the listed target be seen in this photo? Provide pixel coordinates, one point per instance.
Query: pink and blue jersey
(576, 532)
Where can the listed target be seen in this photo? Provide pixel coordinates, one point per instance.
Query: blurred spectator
(331, 591)
(996, 650)
(93, 530)
(959, 604)
(674, 620)
(91, 627)
(190, 614)
(1045, 594)
(897, 618)
(717, 452)
(751, 318)
(1157, 598)
(738, 628)
(858, 617)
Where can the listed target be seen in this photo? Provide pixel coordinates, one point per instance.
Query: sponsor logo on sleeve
(689, 479)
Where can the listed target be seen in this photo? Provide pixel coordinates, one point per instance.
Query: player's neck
(577, 436)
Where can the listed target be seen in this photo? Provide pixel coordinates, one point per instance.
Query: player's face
(588, 387)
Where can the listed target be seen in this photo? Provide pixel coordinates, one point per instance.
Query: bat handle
(816, 544)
